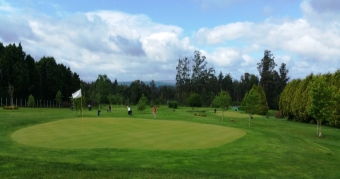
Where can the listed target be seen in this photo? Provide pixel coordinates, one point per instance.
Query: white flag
(77, 94)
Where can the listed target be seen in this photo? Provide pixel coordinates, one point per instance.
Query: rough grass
(272, 148)
(126, 133)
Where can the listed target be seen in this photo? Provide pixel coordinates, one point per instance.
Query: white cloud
(307, 41)
(248, 61)
(115, 43)
(224, 57)
(323, 13)
(132, 46)
(283, 59)
(223, 33)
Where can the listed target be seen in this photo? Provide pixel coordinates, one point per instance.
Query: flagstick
(82, 120)
(81, 105)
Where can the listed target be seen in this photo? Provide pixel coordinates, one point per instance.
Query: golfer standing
(129, 110)
(154, 112)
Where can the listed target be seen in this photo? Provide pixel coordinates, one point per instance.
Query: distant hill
(158, 83)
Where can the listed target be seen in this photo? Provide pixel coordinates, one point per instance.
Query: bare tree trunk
(10, 92)
(320, 134)
(317, 128)
(249, 120)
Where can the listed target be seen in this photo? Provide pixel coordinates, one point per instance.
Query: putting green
(126, 133)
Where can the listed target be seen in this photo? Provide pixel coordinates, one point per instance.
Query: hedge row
(295, 99)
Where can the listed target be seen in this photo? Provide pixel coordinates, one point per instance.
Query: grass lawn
(112, 132)
(58, 143)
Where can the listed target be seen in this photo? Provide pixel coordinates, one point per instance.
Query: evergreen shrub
(173, 104)
(195, 100)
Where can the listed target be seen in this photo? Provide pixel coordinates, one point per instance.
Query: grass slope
(272, 148)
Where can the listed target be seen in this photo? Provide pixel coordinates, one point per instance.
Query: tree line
(21, 76)
(196, 85)
(44, 78)
(193, 76)
(105, 91)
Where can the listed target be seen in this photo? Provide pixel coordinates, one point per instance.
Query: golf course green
(126, 133)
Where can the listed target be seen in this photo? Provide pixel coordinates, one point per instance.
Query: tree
(222, 101)
(102, 89)
(49, 77)
(334, 120)
(262, 101)
(220, 79)
(34, 86)
(136, 91)
(183, 83)
(119, 99)
(284, 78)
(321, 97)
(302, 99)
(153, 90)
(30, 101)
(200, 73)
(194, 100)
(10, 93)
(267, 81)
(247, 81)
(166, 93)
(111, 98)
(77, 106)
(227, 83)
(286, 98)
(250, 102)
(59, 97)
(142, 103)
(42, 79)
(195, 77)
(13, 70)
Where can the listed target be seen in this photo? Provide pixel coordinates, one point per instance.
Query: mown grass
(272, 148)
(126, 133)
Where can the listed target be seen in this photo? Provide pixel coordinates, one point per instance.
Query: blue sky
(130, 40)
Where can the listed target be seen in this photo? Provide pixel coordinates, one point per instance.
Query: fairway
(126, 133)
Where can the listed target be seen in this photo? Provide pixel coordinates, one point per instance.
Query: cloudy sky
(129, 40)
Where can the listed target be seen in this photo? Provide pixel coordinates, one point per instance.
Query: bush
(195, 100)
(158, 101)
(30, 101)
(337, 123)
(278, 114)
(152, 103)
(10, 107)
(173, 104)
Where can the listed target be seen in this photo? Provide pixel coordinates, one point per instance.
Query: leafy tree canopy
(194, 100)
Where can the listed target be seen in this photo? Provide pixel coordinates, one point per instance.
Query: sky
(143, 40)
